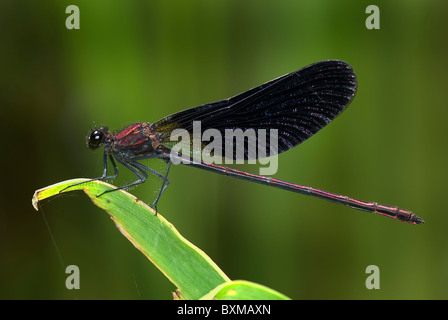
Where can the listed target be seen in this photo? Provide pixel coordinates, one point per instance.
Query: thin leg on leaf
(142, 175)
(165, 184)
(165, 179)
(104, 176)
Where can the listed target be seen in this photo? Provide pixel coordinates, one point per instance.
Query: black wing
(297, 104)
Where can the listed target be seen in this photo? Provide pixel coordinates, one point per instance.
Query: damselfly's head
(96, 137)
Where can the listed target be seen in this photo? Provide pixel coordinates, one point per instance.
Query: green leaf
(243, 290)
(185, 265)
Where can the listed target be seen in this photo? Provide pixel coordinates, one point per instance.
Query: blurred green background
(135, 61)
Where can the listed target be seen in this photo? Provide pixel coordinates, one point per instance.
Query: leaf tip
(35, 200)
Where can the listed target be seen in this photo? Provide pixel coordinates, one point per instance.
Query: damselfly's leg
(165, 179)
(165, 184)
(140, 171)
(141, 174)
(104, 176)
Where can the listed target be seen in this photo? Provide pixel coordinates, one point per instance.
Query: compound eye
(95, 139)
